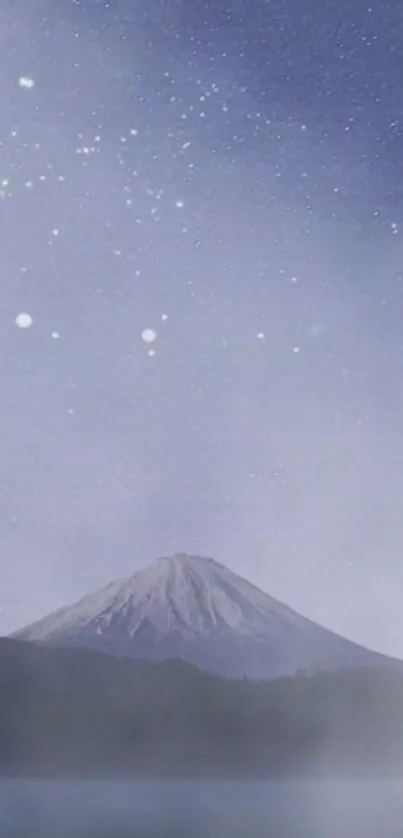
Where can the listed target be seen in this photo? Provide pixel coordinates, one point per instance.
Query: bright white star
(149, 335)
(23, 320)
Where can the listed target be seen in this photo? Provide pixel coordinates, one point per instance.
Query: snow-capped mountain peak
(198, 610)
(178, 593)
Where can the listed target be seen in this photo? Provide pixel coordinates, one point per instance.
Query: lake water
(201, 810)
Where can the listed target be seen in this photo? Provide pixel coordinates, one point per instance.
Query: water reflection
(201, 810)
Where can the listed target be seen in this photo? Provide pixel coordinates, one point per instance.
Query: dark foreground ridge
(69, 712)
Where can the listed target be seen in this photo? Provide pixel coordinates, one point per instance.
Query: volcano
(194, 609)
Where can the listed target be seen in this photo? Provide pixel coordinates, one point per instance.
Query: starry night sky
(228, 176)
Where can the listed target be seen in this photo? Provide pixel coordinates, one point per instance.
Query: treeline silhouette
(69, 712)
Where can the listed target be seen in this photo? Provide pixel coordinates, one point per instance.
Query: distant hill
(69, 712)
(196, 610)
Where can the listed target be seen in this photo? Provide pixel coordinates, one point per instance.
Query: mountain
(196, 610)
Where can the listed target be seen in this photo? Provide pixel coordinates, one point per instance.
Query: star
(24, 320)
(26, 82)
(148, 335)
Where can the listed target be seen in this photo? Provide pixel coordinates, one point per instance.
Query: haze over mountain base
(76, 713)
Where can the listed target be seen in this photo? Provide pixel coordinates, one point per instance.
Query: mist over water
(328, 809)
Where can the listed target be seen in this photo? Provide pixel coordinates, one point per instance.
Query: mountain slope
(195, 609)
